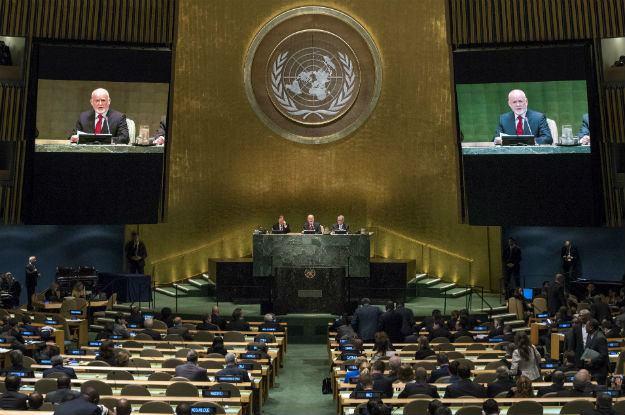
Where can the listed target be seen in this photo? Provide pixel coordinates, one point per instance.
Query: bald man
(523, 121)
(311, 225)
(102, 120)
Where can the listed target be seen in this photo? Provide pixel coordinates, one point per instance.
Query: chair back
(464, 339)
(417, 407)
(27, 361)
(156, 407)
(445, 347)
(173, 337)
(577, 407)
(142, 336)
(132, 344)
(211, 364)
(485, 377)
(204, 336)
(476, 346)
(526, 408)
(619, 407)
(120, 375)
(469, 410)
(620, 364)
(110, 403)
(453, 355)
(135, 390)
(426, 365)
(182, 389)
(45, 385)
(234, 391)
(160, 376)
(440, 340)
(443, 379)
(540, 305)
(233, 337)
(172, 362)
(410, 348)
(553, 129)
(139, 362)
(182, 352)
(132, 129)
(100, 387)
(159, 325)
(515, 306)
(151, 353)
(97, 363)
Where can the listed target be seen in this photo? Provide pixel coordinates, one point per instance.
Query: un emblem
(313, 74)
(310, 273)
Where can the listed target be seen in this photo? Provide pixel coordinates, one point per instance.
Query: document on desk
(590, 354)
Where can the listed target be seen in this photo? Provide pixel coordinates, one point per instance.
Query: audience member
(558, 384)
(382, 346)
(180, 330)
(135, 316)
(428, 321)
(238, 322)
(53, 294)
(63, 392)
(461, 329)
(600, 310)
(579, 336)
(78, 291)
(465, 386)
(206, 324)
(433, 406)
(191, 370)
(217, 346)
(12, 398)
(391, 323)
(270, 322)
(438, 330)
(123, 407)
(407, 316)
(166, 316)
(57, 366)
(365, 382)
(381, 382)
(365, 320)
(122, 358)
(525, 359)
(394, 364)
(106, 332)
(148, 325)
(579, 386)
(17, 361)
(423, 349)
(555, 297)
(508, 336)
(503, 383)
(27, 325)
(35, 401)
(232, 369)
(419, 386)
(182, 409)
(376, 407)
(610, 330)
(119, 327)
(82, 405)
(107, 353)
(360, 363)
(490, 407)
(598, 365)
(603, 405)
(442, 410)
(497, 329)
(217, 319)
(443, 367)
(522, 389)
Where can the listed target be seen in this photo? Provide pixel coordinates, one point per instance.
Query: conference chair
(426, 365)
(234, 337)
(190, 326)
(619, 407)
(97, 363)
(553, 128)
(417, 407)
(182, 352)
(120, 375)
(234, 391)
(204, 336)
(211, 364)
(440, 340)
(476, 346)
(552, 395)
(443, 379)
(112, 300)
(620, 364)
(172, 362)
(139, 362)
(525, 408)
(446, 347)
(577, 407)
(28, 361)
(540, 305)
(419, 396)
(110, 403)
(494, 365)
(408, 348)
(151, 353)
(485, 377)
(99, 386)
(469, 410)
(503, 394)
(215, 356)
(47, 406)
(159, 325)
(453, 355)
(132, 344)
(142, 336)
(55, 375)
(182, 389)
(45, 385)
(156, 407)
(218, 408)
(173, 338)
(160, 376)
(135, 390)
(464, 339)
(132, 131)
(516, 306)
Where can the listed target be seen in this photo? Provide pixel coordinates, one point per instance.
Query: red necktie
(519, 126)
(310, 228)
(98, 126)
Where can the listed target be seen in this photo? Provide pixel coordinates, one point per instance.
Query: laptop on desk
(85, 138)
(517, 140)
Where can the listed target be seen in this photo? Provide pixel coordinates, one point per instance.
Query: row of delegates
(524, 121)
(282, 226)
(105, 120)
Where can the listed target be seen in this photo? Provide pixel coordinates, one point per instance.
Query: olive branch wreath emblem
(337, 103)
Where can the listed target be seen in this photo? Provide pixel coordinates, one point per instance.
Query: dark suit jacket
(407, 320)
(316, 227)
(538, 126)
(238, 325)
(78, 406)
(573, 252)
(496, 332)
(365, 321)
(285, 229)
(391, 322)
(441, 332)
(600, 311)
(585, 130)
(192, 372)
(548, 389)
(600, 412)
(276, 326)
(67, 370)
(419, 388)
(155, 335)
(61, 395)
(555, 298)
(335, 227)
(32, 273)
(162, 128)
(499, 386)
(461, 333)
(115, 125)
(218, 320)
(180, 330)
(465, 387)
(13, 400)
(599, 365)
(423, 353)
(438, 373)
(384, 384)
(207, 327)
(233, 370)
(512, 256)
(141, 251)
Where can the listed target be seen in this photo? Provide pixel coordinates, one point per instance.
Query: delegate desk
(490, 149)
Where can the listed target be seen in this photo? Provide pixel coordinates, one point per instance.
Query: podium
(308, 290)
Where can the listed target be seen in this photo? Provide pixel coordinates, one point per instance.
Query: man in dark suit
(180, 330)
(438, 331)
(407, 318)
(232, 369)
(391, 323)
(512, 266)
(603, 406)
(32, 275)
(579, 336)
(340, 224)
(580, 386)
(600, 310)
(63, 392)
(217, 319)
(281, 225)
(17, 360)
(191, 370)
(238, 322)
(570, 256)
(135, 254)
(81, 405)
(57, 366)
(419, 386)
(461, 330)
(365, 320)
(599, 365)
(508, 336)
(557, 385)
(12, 399)
(102, 119)
(311, 225)
(502, 384)
(380, 382)
(148, 323)
(523, 121)
(584, 132)
(555, 297)
(465, 387)
(207, 324)
(443, 367)
(270, 324)
(497, 329)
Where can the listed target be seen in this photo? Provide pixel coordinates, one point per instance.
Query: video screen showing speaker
(527, 125)
(97, 124)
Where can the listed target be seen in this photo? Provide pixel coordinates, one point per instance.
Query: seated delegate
(102, 120)
(522, 121)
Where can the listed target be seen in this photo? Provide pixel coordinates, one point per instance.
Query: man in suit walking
(191, 370)
(365, 320)
(523, 121)
(555, 296)
(340, 225)
(311, 225)
(391, 322)
(32, 275)
(599, 364)
(102, 119)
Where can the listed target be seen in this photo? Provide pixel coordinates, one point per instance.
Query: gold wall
(229, 173)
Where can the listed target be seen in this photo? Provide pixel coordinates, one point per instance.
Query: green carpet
(298, 388)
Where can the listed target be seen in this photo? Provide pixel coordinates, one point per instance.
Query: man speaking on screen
(102, 119)
(523, 121)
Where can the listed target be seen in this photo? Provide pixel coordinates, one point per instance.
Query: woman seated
(217, 346)
(523, 388)
(53, 294)
(382, 346)
(79, 290)
(423, 349)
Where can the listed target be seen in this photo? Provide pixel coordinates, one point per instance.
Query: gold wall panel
(229, 173)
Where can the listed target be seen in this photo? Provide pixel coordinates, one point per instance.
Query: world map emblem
(314, 77)
(313, 74)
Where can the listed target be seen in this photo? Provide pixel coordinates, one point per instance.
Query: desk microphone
(524, 118)
(108, 127)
